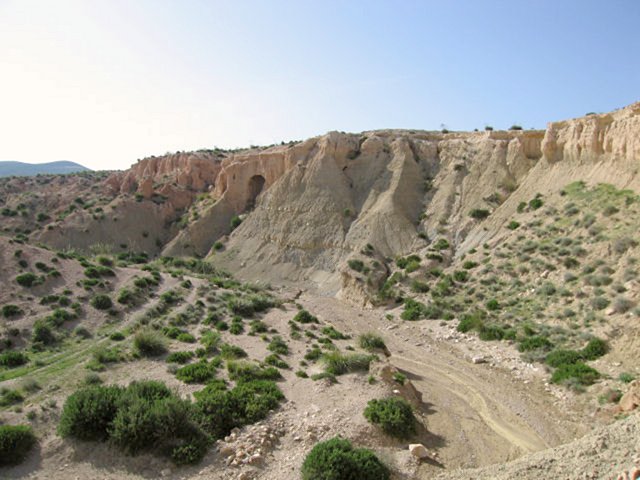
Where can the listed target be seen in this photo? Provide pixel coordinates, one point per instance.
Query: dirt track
(476, 414)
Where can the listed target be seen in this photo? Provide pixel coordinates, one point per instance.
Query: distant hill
(8, 169)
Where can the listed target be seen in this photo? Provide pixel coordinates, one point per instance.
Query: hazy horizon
(103, 84)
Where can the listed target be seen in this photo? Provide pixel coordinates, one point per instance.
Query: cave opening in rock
(256, 184)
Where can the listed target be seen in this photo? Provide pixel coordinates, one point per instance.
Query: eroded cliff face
(311, 206)
(194, 171)
(326, 199)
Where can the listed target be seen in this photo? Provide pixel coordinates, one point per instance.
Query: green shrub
(413, 310)
(576, 372)
(547, 289)
(599, 303)
(357, 265)
(479, 213)
(236, 328)
(305, 317)
(27, 279)
(9, 396)
(12, 359)
(107, 355)
(16, 441)
(180, 357)
(371, 341)
(42, 334)
(210, 340)
(117, 336)
(164, 424)
(622, 304)
(419, 286)
(10, 310)
(469, 264)
(403, 262)
(312, 355)
(275, 361)
(243, 371)
(173, 332)
(562, 357)
(471, 321)
(461, 275)
(491, 332)
(336, 459)
(534, 343)
(278, 345)
(149, 343)
(88, 413)
(200, 372)
(241, 306)
(536, 203)
(101, 302)
(146, 416)
(235, 222)
(228, 351)
(399, 377)
(337, 363)
(126, 297)
(595, 348)
(334, 334)
(493, 305)
(258, 326)
(512, 225)
(441, 244)
(626, 377)
(220, 411)
(186, 338)
(394, 415)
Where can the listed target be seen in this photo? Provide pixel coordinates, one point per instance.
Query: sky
(104, 83)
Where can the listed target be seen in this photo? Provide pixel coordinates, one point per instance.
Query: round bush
(594, 349)
(101, 302)
(145, 416)
(393, 415)
(15, 443)
(88, 413)
(336, 459)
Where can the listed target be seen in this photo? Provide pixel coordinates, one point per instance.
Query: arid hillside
(485, 284)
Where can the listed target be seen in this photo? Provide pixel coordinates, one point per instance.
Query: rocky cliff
(311, 206)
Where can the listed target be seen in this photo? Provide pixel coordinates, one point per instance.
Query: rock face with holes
(326, 199)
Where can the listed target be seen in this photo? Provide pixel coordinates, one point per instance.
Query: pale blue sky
(103, 83)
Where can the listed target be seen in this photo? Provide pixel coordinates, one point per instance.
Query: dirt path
(476, 415)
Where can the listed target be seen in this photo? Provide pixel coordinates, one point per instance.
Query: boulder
(631, 399)
(418, 450)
